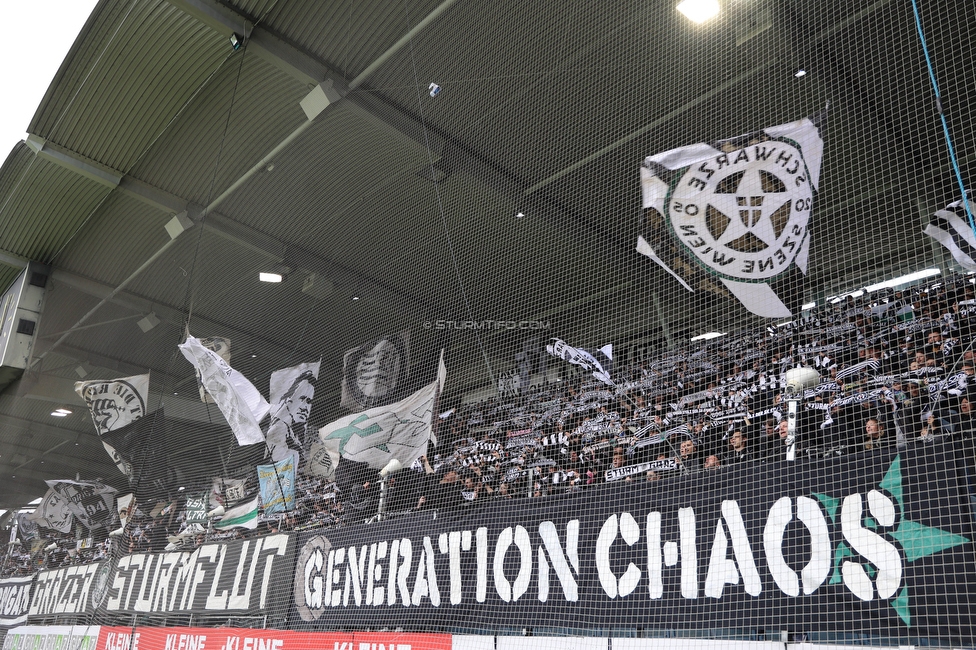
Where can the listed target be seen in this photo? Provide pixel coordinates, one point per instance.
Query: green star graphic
(343, 434)
(916, 539)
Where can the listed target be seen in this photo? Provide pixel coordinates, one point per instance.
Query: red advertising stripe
(200, 638)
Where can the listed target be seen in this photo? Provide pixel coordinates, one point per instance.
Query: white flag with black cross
(737, 210)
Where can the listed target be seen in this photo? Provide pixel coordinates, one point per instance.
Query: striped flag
(950, 227)
(870, 366)
(244, 515)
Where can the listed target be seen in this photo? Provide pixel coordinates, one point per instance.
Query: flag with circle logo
(736, 212)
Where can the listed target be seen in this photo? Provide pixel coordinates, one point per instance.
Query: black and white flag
(114, 405)
(600, 367)
(292, 391)
(737, 210)
(372, 372)
(91, 502)
(950, 227)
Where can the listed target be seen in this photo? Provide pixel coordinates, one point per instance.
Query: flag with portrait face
(372, 372)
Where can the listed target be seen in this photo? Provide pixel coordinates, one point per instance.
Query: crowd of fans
(895, 368)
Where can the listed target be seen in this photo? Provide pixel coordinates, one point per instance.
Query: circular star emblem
(744, 214)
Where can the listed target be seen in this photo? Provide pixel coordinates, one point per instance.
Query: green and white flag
(734, 215)
(400, 431)
(243, 516)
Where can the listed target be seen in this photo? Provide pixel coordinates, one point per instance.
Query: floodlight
(270, 277)
(698, 11)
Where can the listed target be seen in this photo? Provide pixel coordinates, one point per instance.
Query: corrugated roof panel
(347, 34)
(162, 54)
(265, 110)
(336, 163)
(117, 240)
(48, 207)
(17, 162)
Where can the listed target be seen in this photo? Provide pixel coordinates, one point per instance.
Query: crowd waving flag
(737, 210)
(235, 396)
(400, 431)
(950, 227)
(596, 362)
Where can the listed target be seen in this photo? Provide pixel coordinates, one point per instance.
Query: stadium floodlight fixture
(698, 11)
(904, 279)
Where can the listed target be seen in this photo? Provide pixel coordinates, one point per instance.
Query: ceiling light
(355, 297)
(270, 277)
(698, 11)
(800, 73)
(519, 215)
(61, 413)
(809, 305)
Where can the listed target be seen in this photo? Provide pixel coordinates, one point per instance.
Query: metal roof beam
(73, 161)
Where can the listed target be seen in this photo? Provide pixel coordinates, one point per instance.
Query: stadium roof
(394, 206)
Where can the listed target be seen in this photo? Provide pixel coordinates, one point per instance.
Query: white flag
(114, 404)
(950, 227)
(220, 345)
(401, 430)
(737, 210)
(236, 397)
(242, 516)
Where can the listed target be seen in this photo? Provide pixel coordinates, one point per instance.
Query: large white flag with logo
(401, 430)
(236, 397)
(221, 346)
(950, 227)
(737, 210)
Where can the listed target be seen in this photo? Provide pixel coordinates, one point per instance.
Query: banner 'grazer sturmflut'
(738, 210)
(67, 590)
(878, 537)
(237, 577)
(14, 601)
